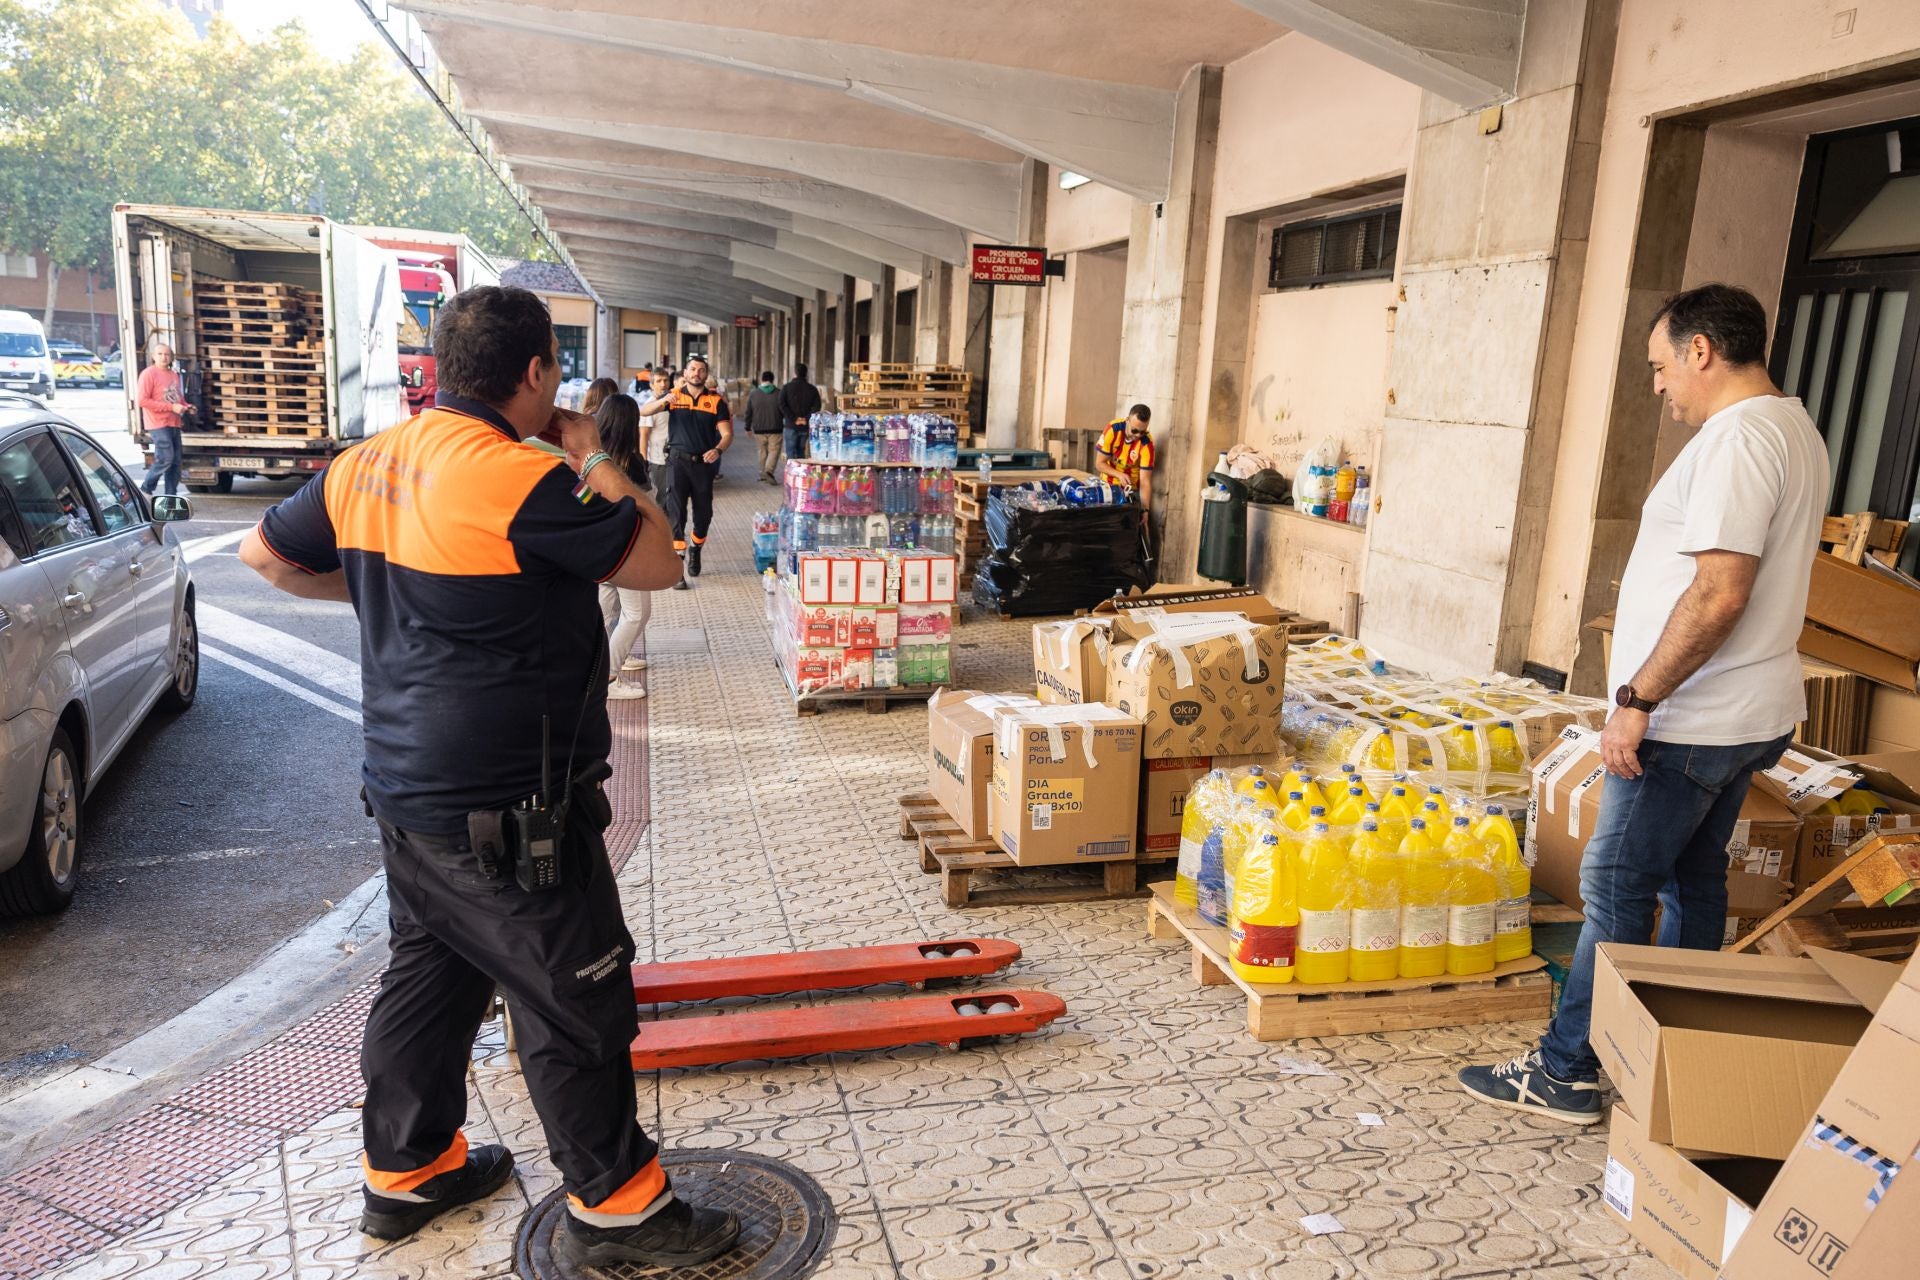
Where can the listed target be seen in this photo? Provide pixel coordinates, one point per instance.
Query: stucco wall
(1086, 217)
(1317, 367)
(1670, 61)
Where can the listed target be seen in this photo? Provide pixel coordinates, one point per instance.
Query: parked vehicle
(263, 410)
(76, 366)
(24, 362)
(112, 368)
(96, 629)
(433, 266)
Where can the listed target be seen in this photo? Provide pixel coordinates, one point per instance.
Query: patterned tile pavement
(1143, 1135)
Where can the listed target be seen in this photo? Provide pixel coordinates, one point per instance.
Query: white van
(24, 363)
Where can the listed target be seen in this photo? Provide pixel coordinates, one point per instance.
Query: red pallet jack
(792, 1033)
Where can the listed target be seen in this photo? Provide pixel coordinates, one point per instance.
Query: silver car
(96, 629)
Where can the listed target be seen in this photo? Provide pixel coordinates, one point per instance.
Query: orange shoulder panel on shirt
(436, 493)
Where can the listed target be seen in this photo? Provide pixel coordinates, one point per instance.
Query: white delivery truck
(285, 326)
(434, 265)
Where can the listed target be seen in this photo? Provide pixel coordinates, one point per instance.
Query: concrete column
(606, 342)
(844, 337)
(1019, 323)
(880, 318)
(1160, 334)
(1492, 257)
(933, 321)
(670, 343)
(817, 342)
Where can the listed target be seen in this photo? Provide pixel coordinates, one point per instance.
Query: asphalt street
(218, 832)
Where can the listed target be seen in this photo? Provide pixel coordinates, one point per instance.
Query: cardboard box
(1726, 1052)
(1070, 659)
(1563, 807)
(1066, 784)
(1866, 605)
(1875, 664)
(1168, 599)
(1202, 684)
(1163, 800)
(1825, 837)
(843, 584)
(1687, 1211)
(1846, 1203)
(1806, 778)
(1893, 722)
(814, 574)
(960, 754)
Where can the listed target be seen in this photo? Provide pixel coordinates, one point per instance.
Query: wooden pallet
(282, 358)
(876, 701)
(1517, 991)
(1831, 915)
(249, 289)
(947, 851)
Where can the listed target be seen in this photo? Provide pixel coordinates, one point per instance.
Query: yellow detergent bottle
(1351, 808)
(1326, 919)
(1462, 749)
(1315, 796)
(1204, 802)
(1298, 812)
(1436, 796)
(1374, 871)
(1513, 882)
(1264, 931)
(1423, 904)
(1503, 743)
(1438, 820)
(1859, 800)
(1249, 822)
(1255, 783)
(1470, 901)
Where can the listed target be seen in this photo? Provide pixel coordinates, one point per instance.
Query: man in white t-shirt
(1706, 676)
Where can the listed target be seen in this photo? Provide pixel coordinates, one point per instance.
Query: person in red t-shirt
(1126, 453)
(161, 404)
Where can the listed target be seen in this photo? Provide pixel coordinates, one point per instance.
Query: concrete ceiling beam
(716, 262)
(852, 220)
(979, 195)
(1467, 51)
(1117, 133)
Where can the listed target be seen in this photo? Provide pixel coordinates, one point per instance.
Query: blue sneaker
(1524, 1084)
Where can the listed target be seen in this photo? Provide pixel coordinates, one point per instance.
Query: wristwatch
(1624, 696)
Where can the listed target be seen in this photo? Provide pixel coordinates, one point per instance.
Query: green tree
(103, 101)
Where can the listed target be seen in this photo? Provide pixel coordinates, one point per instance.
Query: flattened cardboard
(960, 754)
(1865, 605)
(1876, 665)
(1066, 784)
(1174, 598)
(1846, 1202)
(1719, 1051)
(1687, 1211)
(1070, 659)
(1199, 698)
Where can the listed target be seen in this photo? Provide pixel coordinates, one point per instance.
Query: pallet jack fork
(790, 1033)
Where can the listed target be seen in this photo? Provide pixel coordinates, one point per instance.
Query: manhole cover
(786, 1221)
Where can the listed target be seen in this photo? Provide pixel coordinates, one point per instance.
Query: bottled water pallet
(1517, 991)
(953, 855)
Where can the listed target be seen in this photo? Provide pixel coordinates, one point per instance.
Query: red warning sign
(1009, 264)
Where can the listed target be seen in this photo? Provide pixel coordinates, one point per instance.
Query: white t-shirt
(1754, 480)
(656, 426)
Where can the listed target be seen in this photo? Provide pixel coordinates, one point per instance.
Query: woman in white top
(626, 612)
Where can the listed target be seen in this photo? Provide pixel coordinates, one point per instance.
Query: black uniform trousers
(561, 957)
(689, 482)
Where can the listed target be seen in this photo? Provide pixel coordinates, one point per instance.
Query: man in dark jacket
(763, 420)
(799, 401)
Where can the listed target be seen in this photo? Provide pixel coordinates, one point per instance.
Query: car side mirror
(169, 508)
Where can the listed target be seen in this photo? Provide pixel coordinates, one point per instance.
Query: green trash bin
(1223, 530)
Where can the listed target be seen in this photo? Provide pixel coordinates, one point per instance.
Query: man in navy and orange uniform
(1126, 453)
(699, 429)
(471, 561)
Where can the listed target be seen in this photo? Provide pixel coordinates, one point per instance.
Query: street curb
(304, 974)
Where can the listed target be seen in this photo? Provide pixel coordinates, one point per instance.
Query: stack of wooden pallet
(261, 349)
(913, 388)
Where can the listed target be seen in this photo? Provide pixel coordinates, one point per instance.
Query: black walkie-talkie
(536, 828)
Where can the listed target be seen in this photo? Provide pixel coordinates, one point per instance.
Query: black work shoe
(693, 562)
(679, 1235)
(390, 1218)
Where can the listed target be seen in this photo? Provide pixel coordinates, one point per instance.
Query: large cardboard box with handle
(1070, 659)
(1202, 684)
(960, 754)
(1066, 784)
(1847, 1204)
(1726, 1052)
(1687, 1210)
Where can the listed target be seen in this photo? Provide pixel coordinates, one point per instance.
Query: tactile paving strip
(285, 1086)
(36, 1238)
(786, 1222)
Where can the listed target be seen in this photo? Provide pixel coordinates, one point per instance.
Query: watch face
(1623, 695)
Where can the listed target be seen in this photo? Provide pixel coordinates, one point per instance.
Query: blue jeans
(166, 460)
(1661, 837)
(796, 441)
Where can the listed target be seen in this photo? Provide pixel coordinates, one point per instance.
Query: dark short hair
(697, 356)
(484, 339)
(1141, 412)
(1731, 320)
(766, 376)
(800, 372)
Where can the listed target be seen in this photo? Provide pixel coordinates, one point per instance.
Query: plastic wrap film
(1057, 559)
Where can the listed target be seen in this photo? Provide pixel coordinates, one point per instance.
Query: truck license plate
(242, 462)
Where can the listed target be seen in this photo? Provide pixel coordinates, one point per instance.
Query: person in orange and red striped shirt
(1126, 453)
